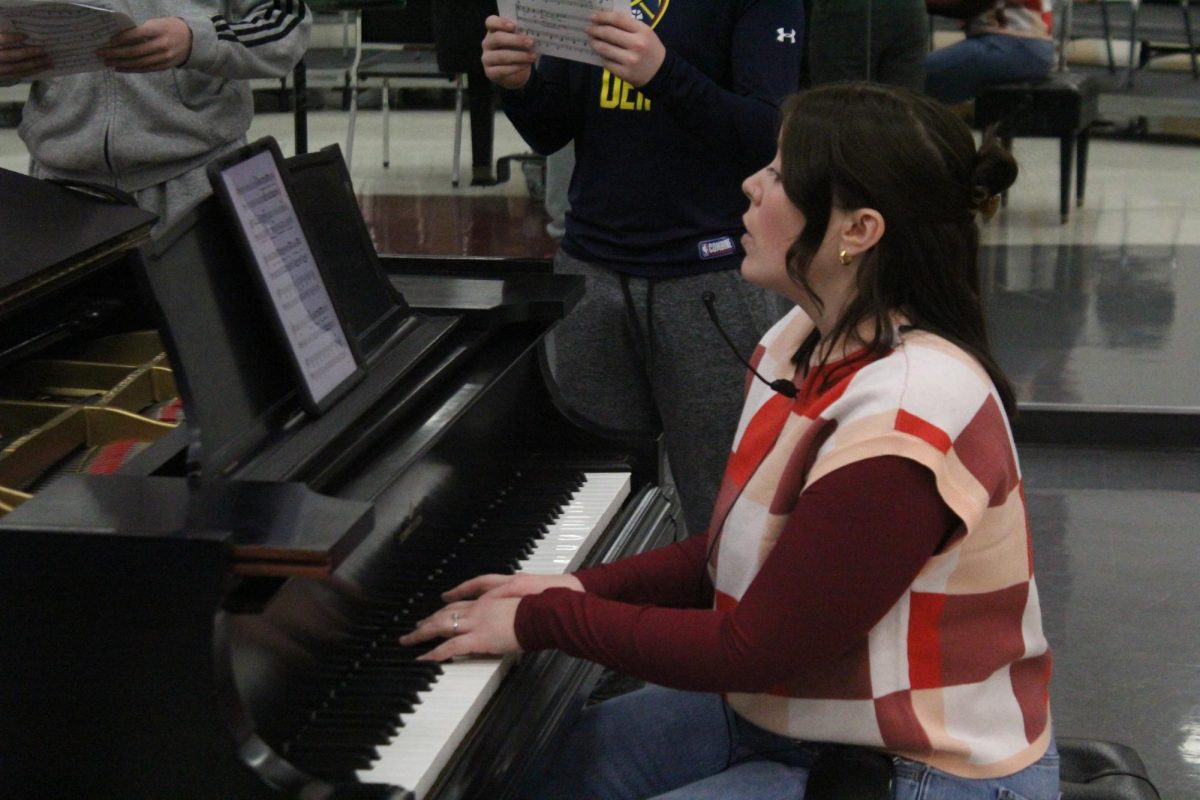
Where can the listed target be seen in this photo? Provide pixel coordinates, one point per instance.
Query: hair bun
(993, 172)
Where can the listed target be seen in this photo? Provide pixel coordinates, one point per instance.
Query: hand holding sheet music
(69, 34)
(559, 27)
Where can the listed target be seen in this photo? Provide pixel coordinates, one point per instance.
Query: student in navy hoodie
(685, 105)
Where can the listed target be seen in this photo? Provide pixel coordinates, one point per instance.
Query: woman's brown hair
(911, 159)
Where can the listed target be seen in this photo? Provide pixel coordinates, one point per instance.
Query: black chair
(397, 44)
(1099, 770)
(1091, 770)
(1062, 105)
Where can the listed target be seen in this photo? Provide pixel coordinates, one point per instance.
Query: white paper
(297, 290)
(69, 32)
(558, 26)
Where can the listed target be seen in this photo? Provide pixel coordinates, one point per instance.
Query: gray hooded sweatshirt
(137, 130)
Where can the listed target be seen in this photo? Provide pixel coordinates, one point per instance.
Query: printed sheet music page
(70, 32)
(289, 270)
(558, 27)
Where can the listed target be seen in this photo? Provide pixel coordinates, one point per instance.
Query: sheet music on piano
(254, 190)
(559, 27)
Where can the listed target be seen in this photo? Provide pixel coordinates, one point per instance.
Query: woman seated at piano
(865, 593)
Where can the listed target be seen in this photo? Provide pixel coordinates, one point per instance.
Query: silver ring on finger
(454, 624)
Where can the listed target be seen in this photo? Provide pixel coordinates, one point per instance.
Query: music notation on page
(559, 27)
(294, 282)
(70, 33)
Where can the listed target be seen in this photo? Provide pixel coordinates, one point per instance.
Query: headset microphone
(781, 385)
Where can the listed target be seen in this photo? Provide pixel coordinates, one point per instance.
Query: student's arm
(672, 575)
(480, 615)
(545, 111)
(266, 40)
(158, 44)
(535, 94)
(675, 576)
(844, 558)
(739, 122)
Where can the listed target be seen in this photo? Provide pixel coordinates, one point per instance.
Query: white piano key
(415, 757)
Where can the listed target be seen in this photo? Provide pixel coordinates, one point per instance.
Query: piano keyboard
(374, 723)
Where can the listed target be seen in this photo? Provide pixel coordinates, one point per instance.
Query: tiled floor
(1099, 314)
(1103, 326)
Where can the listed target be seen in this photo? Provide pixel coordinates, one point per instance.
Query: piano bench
(1099, 770)
(1063, 105)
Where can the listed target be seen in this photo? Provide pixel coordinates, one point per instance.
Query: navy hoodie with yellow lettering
(658, 170)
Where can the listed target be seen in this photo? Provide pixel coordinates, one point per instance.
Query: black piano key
(329, 757)
(385, 640)
(383, 704)
(389, 688)
(396, 671)
(529, 507)
(494, 530)
(337, 726)
(337, 747)
(385, 646)
(404, 686)
(343, 735)
(344, 732)
(404, 698)
(332, 768)
(368, 716)
(519, 518)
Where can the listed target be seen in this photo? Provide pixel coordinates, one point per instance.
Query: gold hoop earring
(845, 258)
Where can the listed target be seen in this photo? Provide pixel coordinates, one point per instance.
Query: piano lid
(51, 235)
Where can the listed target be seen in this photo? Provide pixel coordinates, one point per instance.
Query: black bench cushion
(1099, 770)
(1061, 104)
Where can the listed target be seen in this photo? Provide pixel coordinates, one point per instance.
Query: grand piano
(218, 616)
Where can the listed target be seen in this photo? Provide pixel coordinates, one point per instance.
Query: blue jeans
(671, 745)
(955, 73)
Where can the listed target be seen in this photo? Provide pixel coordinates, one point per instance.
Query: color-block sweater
(956, 674)
(952, 669)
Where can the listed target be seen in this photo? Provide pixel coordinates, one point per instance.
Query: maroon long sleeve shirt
(844, 558)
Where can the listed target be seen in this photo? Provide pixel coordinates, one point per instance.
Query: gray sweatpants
(641, 355)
